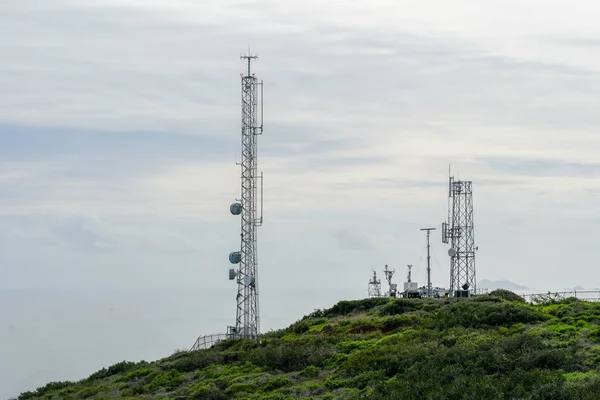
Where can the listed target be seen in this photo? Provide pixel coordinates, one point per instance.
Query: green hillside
(483, 348)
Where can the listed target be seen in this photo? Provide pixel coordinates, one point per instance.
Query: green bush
(168, 380)
(88, 392)
(400, 306)
(483, 315)
(115, 369)
(196, 360)
(135, 375)
(43, 390)
(204, 391)
(507, 295)
(276, 382)
(346, 307)
(292, 355)
(310, 372)
(350, 346)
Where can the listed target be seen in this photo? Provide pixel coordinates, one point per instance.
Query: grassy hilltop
(492, 347)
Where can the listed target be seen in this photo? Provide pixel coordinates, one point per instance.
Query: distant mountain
(502, 284)
(579, 287)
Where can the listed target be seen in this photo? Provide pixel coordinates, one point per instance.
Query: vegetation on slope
(492, 347)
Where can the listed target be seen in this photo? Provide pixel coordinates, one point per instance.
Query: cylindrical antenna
(428, 230)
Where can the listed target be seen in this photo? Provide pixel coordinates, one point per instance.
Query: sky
(119, 137)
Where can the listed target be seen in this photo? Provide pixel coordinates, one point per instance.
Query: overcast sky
(119, 136)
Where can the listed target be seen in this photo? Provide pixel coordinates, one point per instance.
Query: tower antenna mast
(428, 230)
(247, 321)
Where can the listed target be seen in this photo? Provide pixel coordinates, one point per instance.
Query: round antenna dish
(235, 257)
(249, 280)
(235, 208)
(232, 274)
(451, 252)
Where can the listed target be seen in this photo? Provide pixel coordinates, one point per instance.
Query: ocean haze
(119, 137)
(62, 335)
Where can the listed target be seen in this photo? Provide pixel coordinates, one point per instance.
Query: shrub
(400, 321)
(507, 295)
(310, 372)
(203, 391)
(346, 307)
(88, 392)
(483, 315)
(276, 382)
(290, 355)
(112, 370)
(43, 390)
(400, 306)
(135, 375)
(350, 346)
(200, 359)
(167, 380)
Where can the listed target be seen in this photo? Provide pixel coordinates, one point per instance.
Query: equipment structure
(389, 273)
(375, 286)
(247, 320)
(460, 234)
(429, 291)
(411, 290)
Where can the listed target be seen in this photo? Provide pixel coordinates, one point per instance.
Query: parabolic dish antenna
(235, 208)
(451, 252)
(235, 257)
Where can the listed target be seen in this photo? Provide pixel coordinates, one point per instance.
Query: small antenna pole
(429, 289)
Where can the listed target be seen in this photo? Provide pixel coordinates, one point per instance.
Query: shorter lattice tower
(459, 232)
(375, 286)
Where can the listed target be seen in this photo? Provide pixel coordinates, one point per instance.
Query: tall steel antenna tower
(459, 232)
(375, 286)
(247, 322)
(428, 230)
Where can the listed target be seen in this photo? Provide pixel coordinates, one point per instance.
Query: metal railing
(584, 295)
(207, 341)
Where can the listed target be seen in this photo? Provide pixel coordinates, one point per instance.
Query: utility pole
(429, 289)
